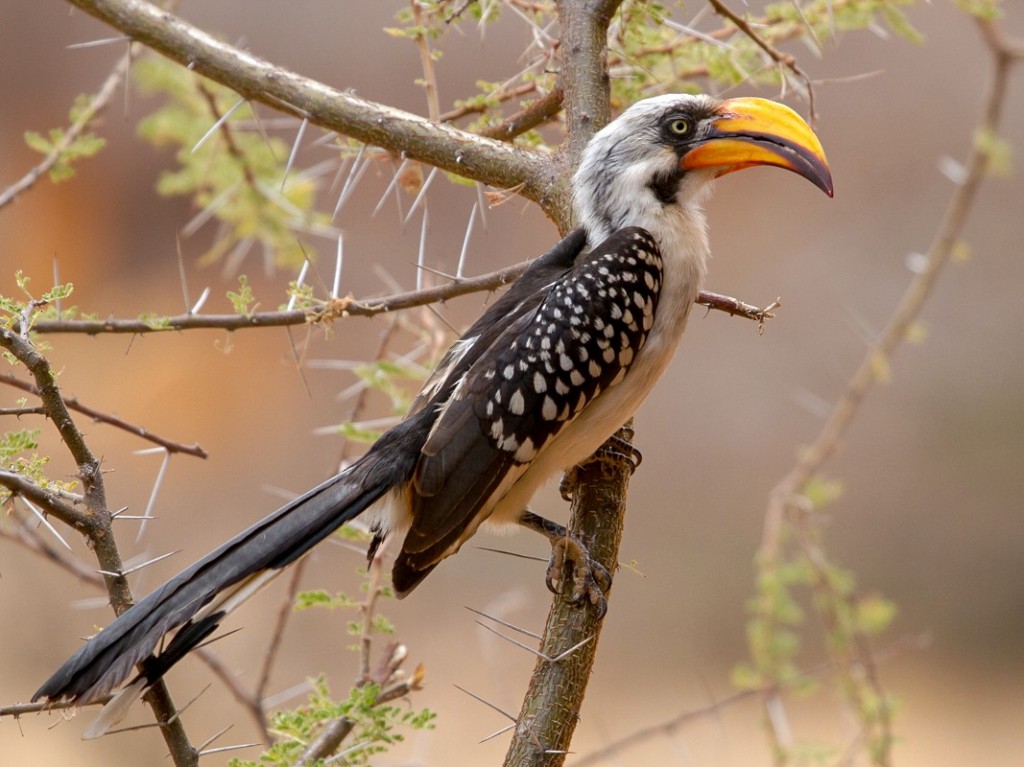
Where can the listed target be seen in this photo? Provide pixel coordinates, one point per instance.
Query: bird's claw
(590, 579)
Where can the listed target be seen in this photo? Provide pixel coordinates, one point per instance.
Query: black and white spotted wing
(537, 375)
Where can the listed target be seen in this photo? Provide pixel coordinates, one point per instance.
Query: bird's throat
(665, 187)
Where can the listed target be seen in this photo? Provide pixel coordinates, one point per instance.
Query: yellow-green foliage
(85, 144)
(236, 174)
(376, 727)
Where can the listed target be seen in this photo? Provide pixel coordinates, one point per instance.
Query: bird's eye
(679, 126)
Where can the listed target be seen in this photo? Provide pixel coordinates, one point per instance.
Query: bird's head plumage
(661, 154)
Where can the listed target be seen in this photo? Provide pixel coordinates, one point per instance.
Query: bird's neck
(680, 230)
(681, 233)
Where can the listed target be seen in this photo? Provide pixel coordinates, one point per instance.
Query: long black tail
(227, 575)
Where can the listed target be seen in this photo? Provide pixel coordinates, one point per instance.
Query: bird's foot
(571, 563)
(615, 451)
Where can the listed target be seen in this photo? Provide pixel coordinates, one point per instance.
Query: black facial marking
(666, 185)
(695, 117)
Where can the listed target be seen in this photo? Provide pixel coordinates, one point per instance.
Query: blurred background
(932, 471)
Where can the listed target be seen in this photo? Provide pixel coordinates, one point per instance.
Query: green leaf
(874, 614)
(998, 153)
(822, 492)
(156, 321)
(36, 141)
(242, 300)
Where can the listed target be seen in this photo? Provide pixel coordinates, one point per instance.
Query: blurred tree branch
(335, 309)
(789, 505)
(72, 403)
(94, 521)
(551, 707)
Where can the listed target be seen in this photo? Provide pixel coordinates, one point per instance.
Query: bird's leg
(615, 450)
(590, 579)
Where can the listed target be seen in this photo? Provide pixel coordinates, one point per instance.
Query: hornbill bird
(535, 386)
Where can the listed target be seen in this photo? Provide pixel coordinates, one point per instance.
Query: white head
(657, 160)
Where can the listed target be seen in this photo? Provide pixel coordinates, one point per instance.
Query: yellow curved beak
(753, 131)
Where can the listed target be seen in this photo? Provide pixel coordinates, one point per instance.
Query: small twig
(736, 308)
(328, 741)
(786, 502)
(96, 105)
(249, 701)
(30, 540)
(375, 578)
(537, 113)
(427, 63)
(225, 130)
(667, 728)
(94, 522)
(45, 499)
(914, 298)
(112, 420)
(329, 312)
(478, 107)
(779, 57)
(284, 613)
(474, 157)
(20, 709)
(18, 412)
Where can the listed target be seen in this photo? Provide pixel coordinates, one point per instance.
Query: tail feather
(271, 544)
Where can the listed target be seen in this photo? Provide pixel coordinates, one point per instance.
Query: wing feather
(559, 349)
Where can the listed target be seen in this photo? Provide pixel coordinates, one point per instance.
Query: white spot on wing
(516, 403)
(548, 410)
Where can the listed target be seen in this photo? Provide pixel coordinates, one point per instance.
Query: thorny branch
(340, 308)
(100, 417)
(96, 105)
(94, 521)
(26, 537)
(607, 753)
(785, 59)
(1005, 54)
(786, 502)
(539, 112)
(468, 155)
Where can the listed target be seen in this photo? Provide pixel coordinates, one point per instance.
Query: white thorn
(130, 570)
(506, 624)
(354, 174)
(952, 170)
(387, 192)
(419, 197)
(56, 282)
(157, 484)
(207, 212)
(298, 284)
(423, 249)
(294, 152)
(465, 242)
(339, 260)
(45, 522)
(220, 121)
(97, 43)
(202, 300)
(487, 703)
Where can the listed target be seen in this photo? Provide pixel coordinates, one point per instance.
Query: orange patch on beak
(753, 131)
